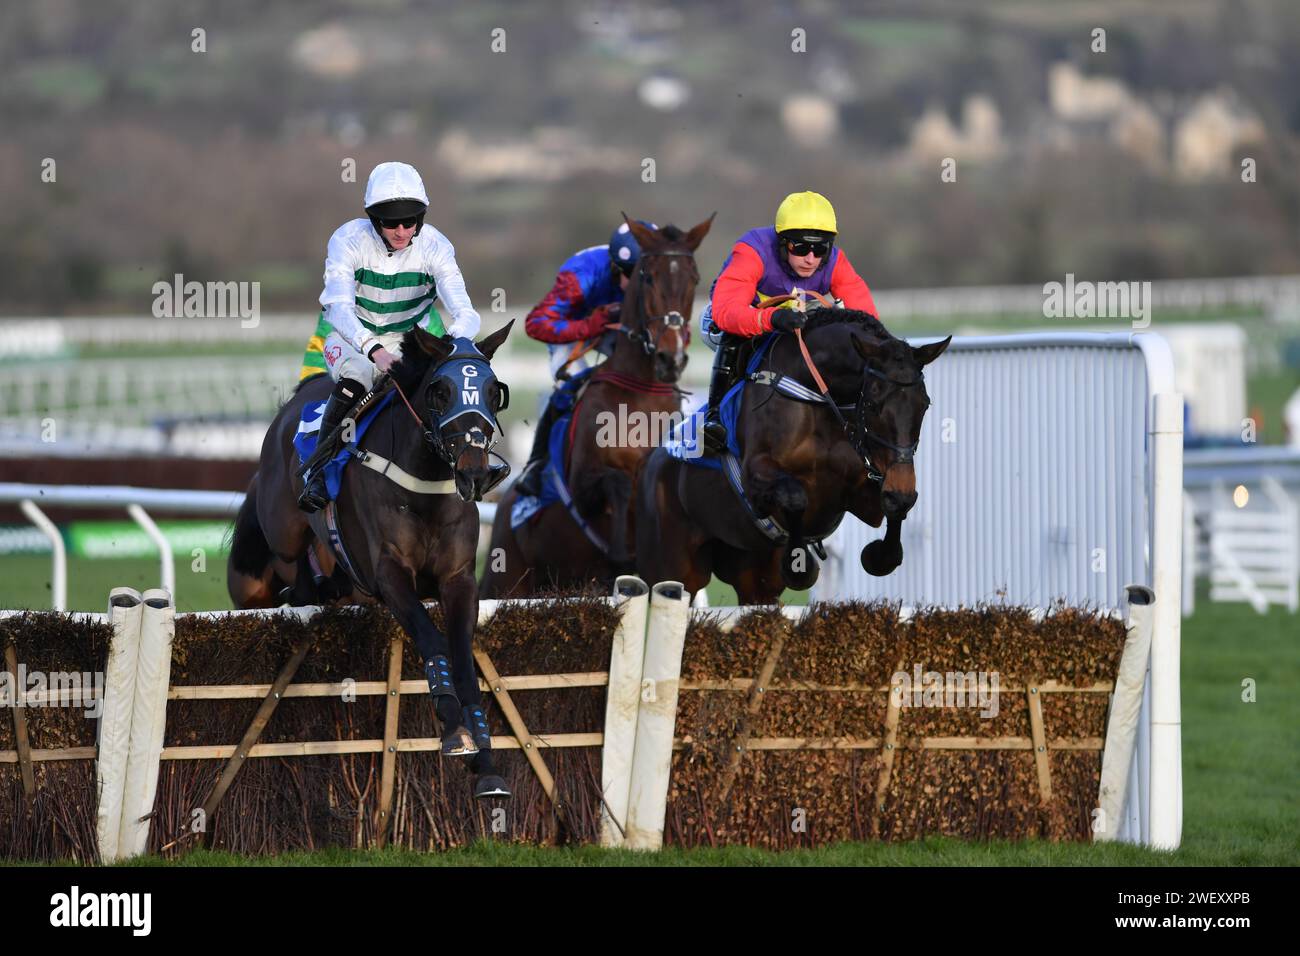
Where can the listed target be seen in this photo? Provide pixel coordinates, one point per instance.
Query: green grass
(25, 582)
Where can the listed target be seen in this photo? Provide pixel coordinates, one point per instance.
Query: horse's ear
(868, 350)
(644, 237)
(489, 345)
(926, 354)
(431, 344)
(697, 234)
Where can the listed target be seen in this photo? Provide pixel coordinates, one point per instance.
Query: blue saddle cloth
(304, 442)
(564, 399)
(687, 441)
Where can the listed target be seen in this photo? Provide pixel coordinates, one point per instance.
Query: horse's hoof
(799, 569)
(458, 743)
(491, 787)
(879, 559)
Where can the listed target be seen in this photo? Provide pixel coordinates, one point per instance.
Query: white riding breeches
(344, 361)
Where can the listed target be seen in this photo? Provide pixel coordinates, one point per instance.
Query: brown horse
(804, 463)
(636, 384)
(407, 536)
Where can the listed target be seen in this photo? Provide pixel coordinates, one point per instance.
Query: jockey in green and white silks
(383, 275)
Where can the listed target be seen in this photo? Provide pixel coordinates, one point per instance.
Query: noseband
(860, 434)
(670, 320)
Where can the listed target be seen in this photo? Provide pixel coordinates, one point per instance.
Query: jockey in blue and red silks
(586, 298)
(797, 252)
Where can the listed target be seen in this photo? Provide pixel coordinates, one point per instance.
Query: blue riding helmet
(623, 248)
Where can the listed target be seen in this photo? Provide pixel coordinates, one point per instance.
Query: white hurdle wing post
(148, 720)
(1122, 724)
(622, 703)
(125, 611)
(1166, 800)
(657, 717)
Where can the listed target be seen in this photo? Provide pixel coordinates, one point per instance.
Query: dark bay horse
(637, 385)
(803, 466)
(406, 541)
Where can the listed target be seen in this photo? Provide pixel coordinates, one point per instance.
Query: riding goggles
(819, 249)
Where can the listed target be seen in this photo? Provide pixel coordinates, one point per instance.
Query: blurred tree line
(226, 163)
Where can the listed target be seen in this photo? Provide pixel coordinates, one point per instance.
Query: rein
(858, 433)
(631, 384)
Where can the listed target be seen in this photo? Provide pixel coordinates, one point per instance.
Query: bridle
(671, 320)
(468, 388)
(859, 434)
(856, 430)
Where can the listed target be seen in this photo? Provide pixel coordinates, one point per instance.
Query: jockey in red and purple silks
(586, 298)
(798, 252)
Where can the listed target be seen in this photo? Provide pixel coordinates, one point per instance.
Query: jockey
(586, 298)
(798, 252)
(382, 275)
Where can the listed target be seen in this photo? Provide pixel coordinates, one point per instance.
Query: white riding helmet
(391, 181)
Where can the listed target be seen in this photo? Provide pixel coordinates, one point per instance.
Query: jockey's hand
(612, 312)
(383, 358)
(787, 320)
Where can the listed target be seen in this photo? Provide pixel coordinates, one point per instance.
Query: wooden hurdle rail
(637, 741)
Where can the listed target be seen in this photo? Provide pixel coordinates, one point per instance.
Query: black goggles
(819, 249)
(409, 222)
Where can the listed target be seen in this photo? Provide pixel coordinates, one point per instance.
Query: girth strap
(399, 476)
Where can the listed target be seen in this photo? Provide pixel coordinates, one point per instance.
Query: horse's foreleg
(884, 555)
(395, 586)
(778, 494)
(460, 608)
(609, 491)
(618, 494)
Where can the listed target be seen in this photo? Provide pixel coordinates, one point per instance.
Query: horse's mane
(409, 371)
(672, 233)
(820, 318)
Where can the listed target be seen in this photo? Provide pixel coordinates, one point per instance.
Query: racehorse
(805, 461)
(636, 384)
(406, 524)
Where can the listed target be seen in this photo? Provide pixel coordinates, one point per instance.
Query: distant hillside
(227, 163)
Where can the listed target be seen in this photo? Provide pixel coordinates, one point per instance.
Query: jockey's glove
(787, 320)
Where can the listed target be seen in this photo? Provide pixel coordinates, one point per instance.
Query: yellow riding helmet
(806, 210)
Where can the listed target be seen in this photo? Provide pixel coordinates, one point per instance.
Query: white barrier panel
(657, 720)
(148, 720)
(1050, 467)
(125, 610)
(622, 706)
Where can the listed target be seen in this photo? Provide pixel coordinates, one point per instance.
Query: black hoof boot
(476, 721)
(799, 569)
(880, 559)
(491, 787)
(438, 671)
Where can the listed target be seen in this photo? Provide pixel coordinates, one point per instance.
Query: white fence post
(125, 612)
(148, 720)
(622, 704)
(1122, 722)
(657, 717)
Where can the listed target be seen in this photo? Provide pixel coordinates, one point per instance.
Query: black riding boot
(530, 479)
(724, 371)
(315, 495)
